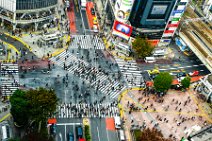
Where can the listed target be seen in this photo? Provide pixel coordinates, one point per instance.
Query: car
(153, 76)
(194, 73)
(95, 29)
(180, 78)
(53, 129)
(95, 20)
(181, 74)
(92, 11)
(70, 136)
(79, 132)
(154, 71)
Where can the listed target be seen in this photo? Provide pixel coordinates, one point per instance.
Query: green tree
(42, 104)
(163, 82)
(19, 108)
(151, 135)
(142, 48)
(186, 82)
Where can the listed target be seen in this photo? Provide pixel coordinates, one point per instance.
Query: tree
(163, 82)
(151, 135)
(19, 108)
(42, 104)
(33, 106)
(186, 82)
(142, 48)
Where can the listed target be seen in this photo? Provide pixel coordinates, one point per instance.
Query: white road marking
(107, 136)
(98, 132)
(65, 133)
(69, 124)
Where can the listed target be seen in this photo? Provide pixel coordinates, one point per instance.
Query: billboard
(8, 5)
(123, 9)
(122, 30)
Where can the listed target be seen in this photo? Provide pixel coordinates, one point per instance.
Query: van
(121, 135)
(149, 59)
(117, 120)
(5, 132)
(159, 53)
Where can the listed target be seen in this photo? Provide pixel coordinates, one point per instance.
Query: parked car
(95, 20)
(53, 129)
(95, 29)
(79, 132)
(92, 11)
(70, 136)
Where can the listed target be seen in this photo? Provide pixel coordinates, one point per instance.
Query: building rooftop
(210, 79)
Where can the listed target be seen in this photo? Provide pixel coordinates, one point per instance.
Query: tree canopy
(151, 135)
(186, 82)
(163, 82)
(19, 107)
(33, 105)
(142, 48)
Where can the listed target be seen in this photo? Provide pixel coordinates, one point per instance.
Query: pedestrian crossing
(87, 42)
(131, 72)
(97, 79)
(87, 110)
(9, 79)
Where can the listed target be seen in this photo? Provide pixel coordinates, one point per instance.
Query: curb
(5, 117)
(20, 40)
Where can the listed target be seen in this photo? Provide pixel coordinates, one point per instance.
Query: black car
(181, 74)
(92, 11)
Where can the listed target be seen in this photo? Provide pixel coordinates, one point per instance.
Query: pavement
(173, 118)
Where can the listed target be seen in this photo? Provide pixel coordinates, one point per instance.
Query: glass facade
(34, 4)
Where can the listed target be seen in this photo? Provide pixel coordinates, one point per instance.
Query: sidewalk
(176, 114)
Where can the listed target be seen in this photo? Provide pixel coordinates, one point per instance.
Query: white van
(149, 59)
(121, 135)
(159, 53)
(117, 120)
(5, 132)
(83, 4)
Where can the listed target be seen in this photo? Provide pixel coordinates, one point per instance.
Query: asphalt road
(180, 62)
(19, 46)
(99, 131)
(66, 126)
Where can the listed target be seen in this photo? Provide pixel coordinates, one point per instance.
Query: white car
(95, 29)
(180, 79)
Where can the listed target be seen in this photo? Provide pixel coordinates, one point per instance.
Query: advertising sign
(123, 9)
(159, 9)
(122, 30)
(8, 5)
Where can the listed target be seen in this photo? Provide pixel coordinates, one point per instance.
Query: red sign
(169, 31)
(121, 29)
(173, 25)
(52, 121)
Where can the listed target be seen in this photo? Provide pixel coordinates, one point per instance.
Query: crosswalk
(96, 78)
(131, 72)
(9, 79)
(87, 42)
(87, 110)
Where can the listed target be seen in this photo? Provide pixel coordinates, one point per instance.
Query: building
(27, 13)
(155, 19)
(207, 9)
(205, 134)
(205, 87)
